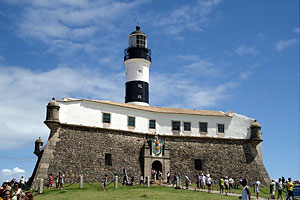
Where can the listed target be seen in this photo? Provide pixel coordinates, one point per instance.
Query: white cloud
(9, 174)
(245, 75)
(187, 18)
(186, 92)
(202, 68)
(283, 44)
(70, 27)
(243, 50)
(297, 30)
(27, 92)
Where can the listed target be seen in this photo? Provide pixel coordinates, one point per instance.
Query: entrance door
(156, 167)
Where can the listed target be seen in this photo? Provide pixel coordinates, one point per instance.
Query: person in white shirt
(231, 184)
(208, 182)
(279, 187)
(257, 186)
(202, 181)
(245, 192)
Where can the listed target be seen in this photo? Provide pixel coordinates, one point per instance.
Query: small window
(198, 164)
(176, 125)
(108, 161)
(106, 118)
(221, 128)
(187, 126)
(131, 121)
(139, 96)
(203, 127)
(152, 124)
(140, 85)
(140, 71)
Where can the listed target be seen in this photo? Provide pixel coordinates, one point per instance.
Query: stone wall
(81, 150)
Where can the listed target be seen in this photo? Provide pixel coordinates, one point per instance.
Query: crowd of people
(228, 185)
(13, 190)
(59, 181)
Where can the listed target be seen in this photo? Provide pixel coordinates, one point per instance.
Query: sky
(222, 55)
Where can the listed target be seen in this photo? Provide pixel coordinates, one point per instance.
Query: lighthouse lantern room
(137, 60)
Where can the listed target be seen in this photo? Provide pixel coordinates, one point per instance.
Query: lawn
(126, 192)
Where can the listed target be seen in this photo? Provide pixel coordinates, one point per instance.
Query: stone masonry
(77, 150)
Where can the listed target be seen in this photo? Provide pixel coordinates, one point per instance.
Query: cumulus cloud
(9, 174)
(27, 92)
(202, 68)
(297, 30)
(187, 18)
(284, 44)
(187, 93)
(244, 50)
(68, 28)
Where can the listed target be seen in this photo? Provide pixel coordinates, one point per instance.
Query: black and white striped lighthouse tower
(137, 60)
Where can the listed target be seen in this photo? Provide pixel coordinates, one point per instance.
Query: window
(106, 118)
(152, 124)
(187, 126)
(139, 96)
(108, 159)
(203, 127)
(140, 85)
(198, 164)
(139, 71)
(221, 128)
(176, 125)
(131, 121)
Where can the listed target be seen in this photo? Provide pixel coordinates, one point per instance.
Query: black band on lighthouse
(137, 91)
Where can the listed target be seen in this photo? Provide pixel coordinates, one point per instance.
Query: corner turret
(38, 146)
(52, 111)
(255, 133)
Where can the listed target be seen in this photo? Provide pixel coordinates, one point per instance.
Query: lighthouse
(137, 60)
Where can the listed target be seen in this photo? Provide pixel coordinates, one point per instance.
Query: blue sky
(206, 54)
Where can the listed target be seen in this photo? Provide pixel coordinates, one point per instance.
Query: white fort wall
(88, 113)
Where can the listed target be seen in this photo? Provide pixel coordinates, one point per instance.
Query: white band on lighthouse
(137, 60)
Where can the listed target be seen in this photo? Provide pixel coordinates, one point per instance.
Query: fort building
(93, 138)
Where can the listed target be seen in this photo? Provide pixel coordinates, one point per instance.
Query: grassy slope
(135, 192)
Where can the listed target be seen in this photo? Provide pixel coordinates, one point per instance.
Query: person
(273, 189)
(22, 182)
(202, 181)
(212, 182)
(105, 182)
(187, 181)
(208, 182)
(257, 186)
(198, 182)
(160, 176)
(152, 175)
(61, 180)
(226, 183)
(141, 180)
(50, 181)
(28, 196)
(15, 191)
(174, 179)
(221, 185)
(6, 195)
(290, 187)
(245, 192)
(168, 177)
(231, 184)
(279, 188)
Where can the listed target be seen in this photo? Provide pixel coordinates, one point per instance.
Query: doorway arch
(157, 166)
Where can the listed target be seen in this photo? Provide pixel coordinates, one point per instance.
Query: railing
(137, 52)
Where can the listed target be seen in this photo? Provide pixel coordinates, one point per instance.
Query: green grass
(127, 192)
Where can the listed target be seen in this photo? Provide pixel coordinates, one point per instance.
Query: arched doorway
(156, 167)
